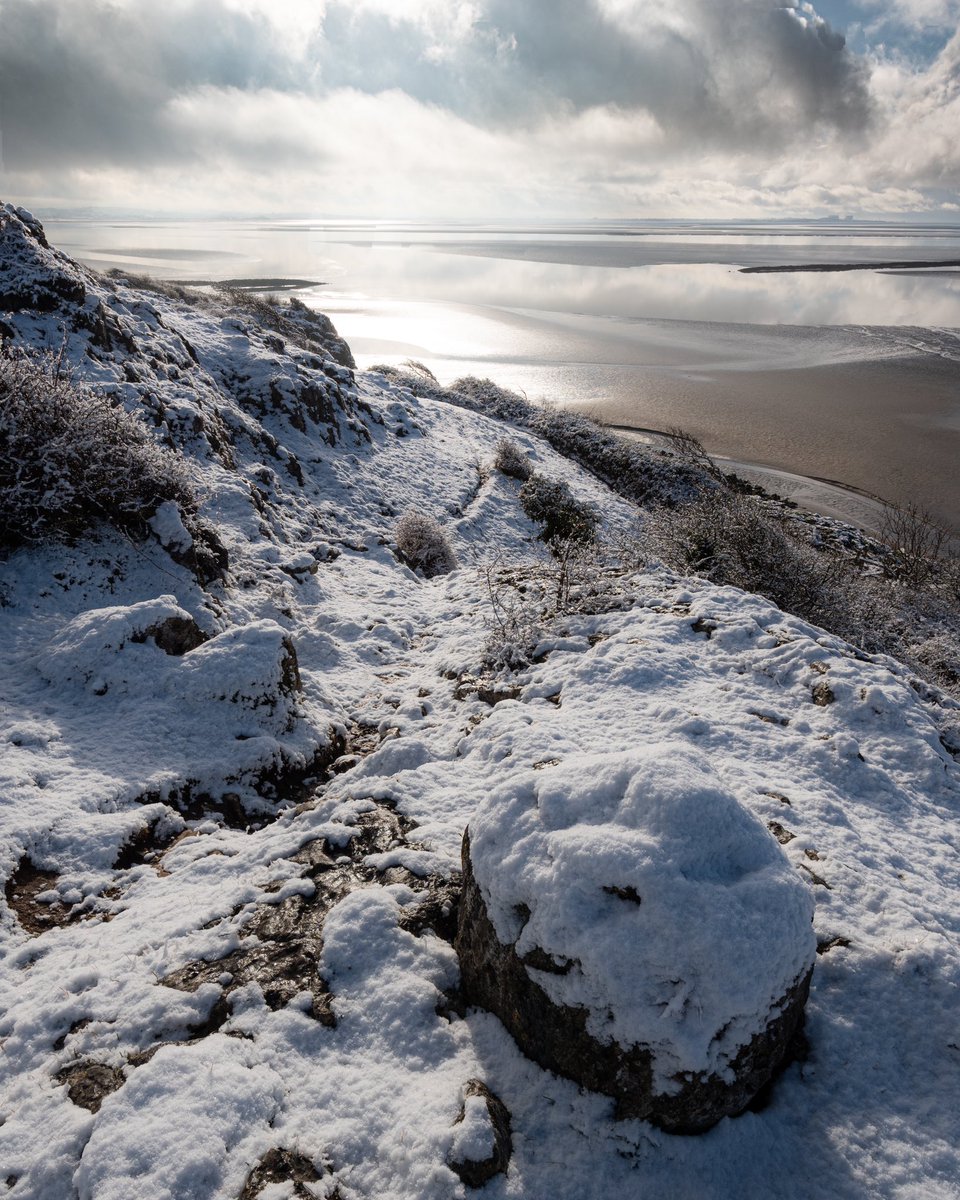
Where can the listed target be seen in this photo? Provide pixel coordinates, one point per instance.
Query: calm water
(680, 271)
(852, 375)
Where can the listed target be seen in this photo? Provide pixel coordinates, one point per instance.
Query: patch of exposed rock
(89, 1083)
(279, 1167)
(482, 1140)
(32, 274)
(283, 941)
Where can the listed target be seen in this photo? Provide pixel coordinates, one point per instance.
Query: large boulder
(638, 931)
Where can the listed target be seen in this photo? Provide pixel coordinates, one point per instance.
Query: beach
(875, 409)
(889, 427)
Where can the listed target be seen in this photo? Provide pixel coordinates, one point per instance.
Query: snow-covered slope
(231, 810)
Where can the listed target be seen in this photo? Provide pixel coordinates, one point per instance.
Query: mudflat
(890, 426)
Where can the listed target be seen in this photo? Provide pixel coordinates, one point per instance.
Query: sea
(811, 351)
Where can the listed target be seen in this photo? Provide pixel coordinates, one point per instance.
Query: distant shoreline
(268, 283)
(892, 265)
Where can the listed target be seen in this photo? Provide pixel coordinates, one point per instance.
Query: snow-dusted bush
(512, 460)
(515, 619)
(161, 287)
(917, 545)
(71, 459)
(550, 503)
(423, 545)
(730, 539)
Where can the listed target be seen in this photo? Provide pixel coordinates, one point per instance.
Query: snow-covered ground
(230, 894)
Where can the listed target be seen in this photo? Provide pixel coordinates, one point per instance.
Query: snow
(719, 931)
(169, 528)
(474, 1139)
(679, 741)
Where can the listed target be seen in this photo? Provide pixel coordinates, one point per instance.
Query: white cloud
(917, 14)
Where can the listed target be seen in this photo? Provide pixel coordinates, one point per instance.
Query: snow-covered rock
(637, 929)
(32, 274)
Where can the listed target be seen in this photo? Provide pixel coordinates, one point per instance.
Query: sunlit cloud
(472, 107)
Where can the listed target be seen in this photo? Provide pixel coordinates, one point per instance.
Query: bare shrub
(423, 545)
(186, 294)
(419, 368)
(917, 543)
(512, 460)
(264, 307)
(689, 449)
(514, 619)
(584, 577)
(70, 458)
(551, 504)
(730, 539)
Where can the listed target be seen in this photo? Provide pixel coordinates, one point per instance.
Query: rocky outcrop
(557, 1037)
(625, 958)
(32, 275)
(482, 1141)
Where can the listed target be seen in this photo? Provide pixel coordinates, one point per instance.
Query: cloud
(706, 70)
(919, 140)
(89, 83)
(430, 107)
(917, 14)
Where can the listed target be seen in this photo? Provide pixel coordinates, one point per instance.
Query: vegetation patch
(71, 459)
(423, 545)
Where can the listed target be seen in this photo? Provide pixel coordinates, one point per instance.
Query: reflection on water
(682, 271)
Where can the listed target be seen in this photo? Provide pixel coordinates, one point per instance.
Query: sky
(483, 109)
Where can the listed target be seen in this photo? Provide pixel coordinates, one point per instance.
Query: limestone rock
(32, 275)
(638, 931)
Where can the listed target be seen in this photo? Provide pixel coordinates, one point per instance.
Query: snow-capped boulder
(156, 647)
(86, 648)
(637, 930)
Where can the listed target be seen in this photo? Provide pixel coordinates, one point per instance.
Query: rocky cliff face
(181, 357)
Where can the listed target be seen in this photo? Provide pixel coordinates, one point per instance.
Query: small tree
(917, 543)
(689, 449)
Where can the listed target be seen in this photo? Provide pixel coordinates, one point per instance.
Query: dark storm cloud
(727, 71)
(85, 84)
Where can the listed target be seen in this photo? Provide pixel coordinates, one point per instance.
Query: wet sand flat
(888, 426)
(850, 375)
(874, 408)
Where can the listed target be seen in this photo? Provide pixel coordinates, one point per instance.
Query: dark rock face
(494, 977)
(284, 941)
(477, 1172)
(283, 1166)
(175, 636)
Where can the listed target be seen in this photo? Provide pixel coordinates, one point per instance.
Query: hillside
(242, 739)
